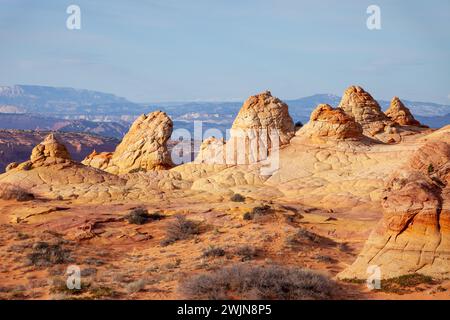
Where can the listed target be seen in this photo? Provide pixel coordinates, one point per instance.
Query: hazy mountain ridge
(80, 104)
(55, 100)
(36, 122)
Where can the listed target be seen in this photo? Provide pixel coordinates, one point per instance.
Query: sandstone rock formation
(414, 234)
(263, 124)
(48, 152)
(329, 123)
(212, 151)
(11, 166)
(49, 149)
(98, 160)
(265, 112)
(144, 147)
(366, 111)
(400, 114)
(16, 145)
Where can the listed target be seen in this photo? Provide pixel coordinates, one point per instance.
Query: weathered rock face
(262, 125)
(144, 147)
(98, 160)
(414, 234)
(264, 112)
(48, 149)
(16, 145)
(48, 152)
(11, 166)
(400, 114)
(212, 151)
(326, 122)
(366, 111)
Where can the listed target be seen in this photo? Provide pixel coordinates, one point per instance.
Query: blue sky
(172, 50)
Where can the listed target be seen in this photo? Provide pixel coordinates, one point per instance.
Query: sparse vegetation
(325, 259)
(136, 170)
(59, 286)
(136, 286)
(304, 236)
(403, 284)
(247, 216)
(257, 212)
(213, 252)
(12, 192)
(102, 292)
(246, 252)
(243, 281)
(430, 168)
(44, 254)
(94, 261)
(354, 280)
(237, 198)
(180, 229)
(141, 216)
(344, 247)
(261, 210)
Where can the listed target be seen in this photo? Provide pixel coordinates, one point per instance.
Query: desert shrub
(258, 282)
(430, 168)
(12, 192)
(92, 261)
(404, 283)
(237, 198)
(180, 229)
(45, 254)
(344, 247)
(141, 216)
(88, 272)
(102, 292)
(22, 236)
(136, 286)
(298, 124)
(247, 216)
(213, 252)
(59, 286)
(136, 170)
(261, 210)
(246, 252)
(257, 212)
(173, 265)
(326, 259)
(304, 236)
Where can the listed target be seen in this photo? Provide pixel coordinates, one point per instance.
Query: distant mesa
(11, 109)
